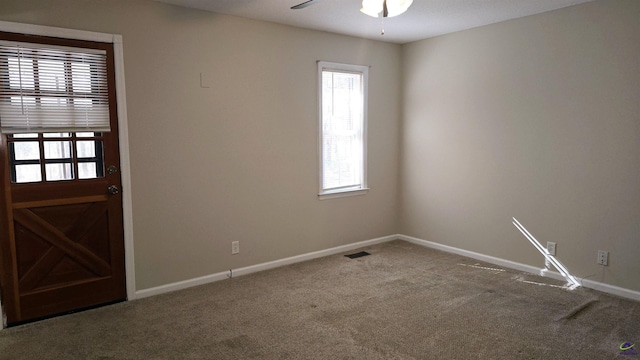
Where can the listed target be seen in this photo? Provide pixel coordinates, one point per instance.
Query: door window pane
(87, 134)
(25, 102)
(21, 73)
(28, 173)
(81, 77)
(59, 171)
(26, 150)
(51, 75)
(51, 102)
(87, 170)
(57, 135)
(61, 160)
(19, 136)
(86, 149)
(57, 150)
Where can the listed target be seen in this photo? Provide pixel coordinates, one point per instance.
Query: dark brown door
(61, 233)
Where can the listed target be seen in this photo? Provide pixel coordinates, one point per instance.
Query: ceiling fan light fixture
(373, 8)
(397, 7)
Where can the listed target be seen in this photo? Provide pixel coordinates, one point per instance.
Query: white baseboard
(180, 285)
(610, 289)
(259, 267)
(474, 255)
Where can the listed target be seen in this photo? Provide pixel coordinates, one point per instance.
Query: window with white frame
(343, 120)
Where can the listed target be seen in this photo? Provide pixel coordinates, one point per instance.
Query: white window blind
(343, 95)
(47, 88)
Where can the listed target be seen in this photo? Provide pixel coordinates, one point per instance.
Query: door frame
(123, 129)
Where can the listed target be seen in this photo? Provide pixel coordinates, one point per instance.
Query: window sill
(344, 193)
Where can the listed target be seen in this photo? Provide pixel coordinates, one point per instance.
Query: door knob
(113, 190)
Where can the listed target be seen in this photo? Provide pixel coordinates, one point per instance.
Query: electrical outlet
(603, 257)
(551, 248)
(235, 247)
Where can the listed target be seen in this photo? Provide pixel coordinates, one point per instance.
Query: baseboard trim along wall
(614, 290)
(259, 267)
(610, 289)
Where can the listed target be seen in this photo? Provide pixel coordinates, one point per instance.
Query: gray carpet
(401, 302)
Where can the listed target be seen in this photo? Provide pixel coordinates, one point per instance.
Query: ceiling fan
(305, 4)
(374, 8)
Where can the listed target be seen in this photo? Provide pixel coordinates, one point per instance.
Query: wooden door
(61, 232)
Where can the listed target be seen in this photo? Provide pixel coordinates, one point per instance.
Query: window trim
(363, 188)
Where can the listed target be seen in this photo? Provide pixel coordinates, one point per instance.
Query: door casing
(123, 133)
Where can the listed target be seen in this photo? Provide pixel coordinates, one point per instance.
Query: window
(50, 157)
(343, 120)
(54, 109)
(49, 88)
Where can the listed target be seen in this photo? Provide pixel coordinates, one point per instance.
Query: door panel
(61, 231)
(72, 252)
(63, 257)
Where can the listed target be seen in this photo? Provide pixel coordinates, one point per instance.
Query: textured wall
(536, 118)
(237, 161)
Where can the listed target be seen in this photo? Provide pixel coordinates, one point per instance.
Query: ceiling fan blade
(305, 4)
(385, 11)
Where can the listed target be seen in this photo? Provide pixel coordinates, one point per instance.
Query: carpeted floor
(401, 302)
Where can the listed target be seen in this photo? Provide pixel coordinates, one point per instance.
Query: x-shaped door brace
(61, 244)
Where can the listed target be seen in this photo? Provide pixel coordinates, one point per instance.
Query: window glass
(28, 173)
(87, 170)
(47, 92)
(51, 75)
(81, 75)
(54, 153)
(24, 135)
(26, 150)
(86, 149)
(21, 73)
(53, 88)
(59, 171)
(343, 118)
(87, 134)
(57, 149)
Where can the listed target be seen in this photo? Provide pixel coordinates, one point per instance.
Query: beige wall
(536, 118)
(237, 161)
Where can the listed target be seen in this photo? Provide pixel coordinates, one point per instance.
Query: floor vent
(357, 255)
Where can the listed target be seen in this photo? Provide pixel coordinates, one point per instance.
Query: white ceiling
(424, 19)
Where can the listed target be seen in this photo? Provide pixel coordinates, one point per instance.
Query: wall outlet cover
(603, 257)
(235, 247)
(551, 248)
